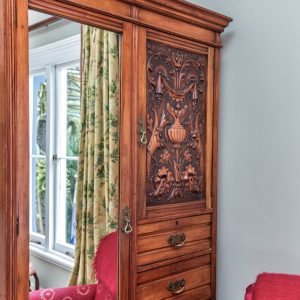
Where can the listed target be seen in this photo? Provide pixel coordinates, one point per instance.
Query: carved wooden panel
(176, 93)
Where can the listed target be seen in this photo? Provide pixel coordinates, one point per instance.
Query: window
(38, 103)
(54, 145)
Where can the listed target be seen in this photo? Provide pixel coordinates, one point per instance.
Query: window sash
(54, 103)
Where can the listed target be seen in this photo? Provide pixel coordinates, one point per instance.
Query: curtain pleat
(97, 195)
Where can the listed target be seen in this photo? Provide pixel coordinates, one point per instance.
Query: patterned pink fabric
(81, 292)
(106, 269)
(106, 266)
(274, 287)
(103, 293)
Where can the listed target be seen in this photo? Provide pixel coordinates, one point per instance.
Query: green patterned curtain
(98, 167)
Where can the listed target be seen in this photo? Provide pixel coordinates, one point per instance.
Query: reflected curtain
(98, 166)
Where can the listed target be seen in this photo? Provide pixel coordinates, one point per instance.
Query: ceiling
(35, 17)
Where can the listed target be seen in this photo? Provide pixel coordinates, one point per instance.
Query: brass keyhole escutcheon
(142, 138)
(126, 226)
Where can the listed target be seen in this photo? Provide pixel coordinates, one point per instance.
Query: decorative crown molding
(183, 10)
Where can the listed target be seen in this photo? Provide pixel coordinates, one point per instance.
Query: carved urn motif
(177, 134)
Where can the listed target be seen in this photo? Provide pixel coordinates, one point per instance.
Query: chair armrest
(249, 292)
(81, 292)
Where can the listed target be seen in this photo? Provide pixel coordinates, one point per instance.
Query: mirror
(74, 85)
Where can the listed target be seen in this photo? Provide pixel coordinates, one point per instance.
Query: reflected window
(54, 145)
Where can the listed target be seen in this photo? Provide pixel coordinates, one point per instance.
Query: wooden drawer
(160, 240)
(156, 255)
(183, 264)
(174, 224)
(159, 289)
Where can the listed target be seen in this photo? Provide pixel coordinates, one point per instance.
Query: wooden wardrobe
(169, 142)
(175, 156)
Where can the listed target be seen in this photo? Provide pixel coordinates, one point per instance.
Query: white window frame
(49, 58)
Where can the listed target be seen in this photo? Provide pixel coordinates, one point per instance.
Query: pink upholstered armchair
(270, 286)
(106, 270)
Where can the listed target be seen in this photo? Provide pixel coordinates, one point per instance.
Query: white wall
(50, 275)
(259, 158)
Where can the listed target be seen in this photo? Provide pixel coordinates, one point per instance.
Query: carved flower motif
(163, 180)
(189, 176)
(187, 155)
(162, 172)
(191, 170)
(165, 156)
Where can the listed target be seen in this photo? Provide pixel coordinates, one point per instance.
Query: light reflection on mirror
(74, 158)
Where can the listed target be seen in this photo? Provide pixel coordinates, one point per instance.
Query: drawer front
(201, 293)
(174, 224)
(182, 265)
(153, 256)
(181, 283)
(179, 237)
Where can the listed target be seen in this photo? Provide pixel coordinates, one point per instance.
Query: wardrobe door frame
(14, 201)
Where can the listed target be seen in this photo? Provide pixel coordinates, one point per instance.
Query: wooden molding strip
(43, 23)
(74, 13)
(115, 12)
(186, 11)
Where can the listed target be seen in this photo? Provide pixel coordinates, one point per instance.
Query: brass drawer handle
(177, 240)
(177, 286)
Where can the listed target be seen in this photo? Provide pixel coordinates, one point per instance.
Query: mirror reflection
(74, 85)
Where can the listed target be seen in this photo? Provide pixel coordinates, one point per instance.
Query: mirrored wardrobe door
(74, 104)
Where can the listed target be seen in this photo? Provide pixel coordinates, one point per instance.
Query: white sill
(53, 257)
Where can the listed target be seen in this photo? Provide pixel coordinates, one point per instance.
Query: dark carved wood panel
(176, 92)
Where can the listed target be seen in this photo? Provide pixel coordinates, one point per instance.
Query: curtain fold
(97, 195)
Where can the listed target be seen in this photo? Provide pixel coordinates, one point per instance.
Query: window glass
(38, 97)
(39, 114)
(71, 178)
(73, 111)
(38, 195)
(68, 135)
